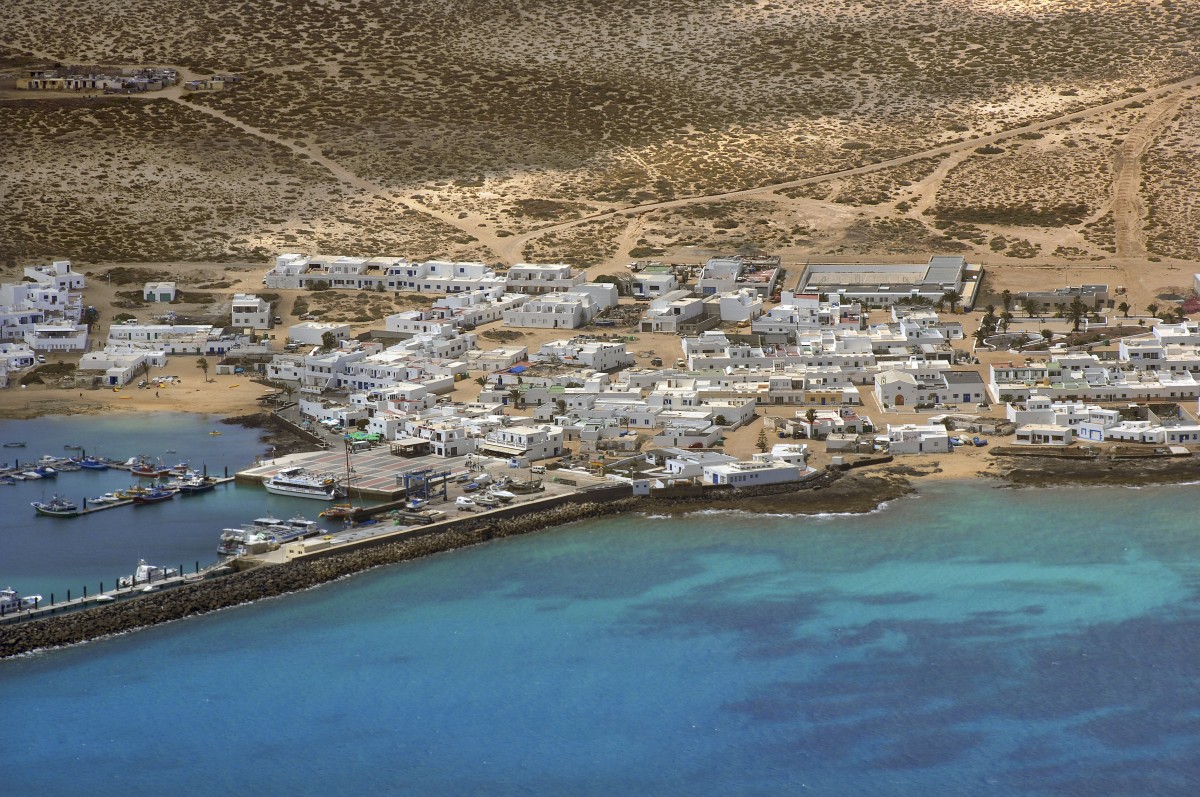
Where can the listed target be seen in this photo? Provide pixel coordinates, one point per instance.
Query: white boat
(107, 498)
(486, 501)
(146, 574)
(265, 533)
(299, 483)
(504, 496)
(465, 504)
(11, 602)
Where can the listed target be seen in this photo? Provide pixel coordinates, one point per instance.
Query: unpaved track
(1129, 210)
(513, 246)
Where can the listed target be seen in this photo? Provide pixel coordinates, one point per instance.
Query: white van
(537, 469)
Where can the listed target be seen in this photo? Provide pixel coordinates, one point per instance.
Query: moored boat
(155, 495)
(56, 507)
(11, 602)
(91, 463)
(146, 574)
(299, 483)
(195, 485)
(107, 498)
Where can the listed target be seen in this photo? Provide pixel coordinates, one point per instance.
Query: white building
(536, 279)
(159, 292)
(469, 309)
(249, 311)
(591, 354)
(752, 474)
(532, 443)
(668, 311)
(719, 275)
(553, 311)
(879, 284)
(740, 305)
(312, 333)
(910, 438)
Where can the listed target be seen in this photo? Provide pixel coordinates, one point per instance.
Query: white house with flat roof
(668, 311)
(159, 292)
(529, 442)
(562, 310)
(249, 311)
(312, 332)
(534, 279)
(752, 474)
(908, 438)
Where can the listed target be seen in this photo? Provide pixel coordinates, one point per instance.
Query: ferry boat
(56, 507)
(11, 602)
(145, 574)
(300, 483)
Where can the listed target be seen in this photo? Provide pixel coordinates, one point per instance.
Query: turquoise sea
(969, 641)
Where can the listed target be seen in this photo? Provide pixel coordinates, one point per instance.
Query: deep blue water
(971, 641)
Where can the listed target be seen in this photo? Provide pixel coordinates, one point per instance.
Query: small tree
(1124, 308)
(202, 364)
(1006, 299)
(1048, 335)
(1005, 319)
(1152, 308)
(1031, 308)
(481, 380)
(328, 341)
(720, 420)
(761, 444)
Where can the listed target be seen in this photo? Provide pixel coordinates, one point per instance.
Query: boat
(338, 511)
(146, 574)
(30, 475)
(15, 445)
(465, 504)
(56, 507)
(195, 484)
(107, 498)
(504, 496)
(7, 480)
(144, 470)
(46, 472)
(182, 469)
(91, 463)
(215, 434)
(11, 602)
(413, 504)
(299, 483)
(73, 448)
(155, 495)
(266, 532)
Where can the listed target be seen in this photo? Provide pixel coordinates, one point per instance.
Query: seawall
(272, 580)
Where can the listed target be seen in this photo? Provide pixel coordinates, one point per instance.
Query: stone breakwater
(269, 581)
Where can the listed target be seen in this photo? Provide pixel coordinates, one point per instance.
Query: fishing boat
(72, 448)
(146, 574)
(155, 495)
(195, 484)
(20, 444)
(91, 463)
(11, 602)
(338, 511)
(7, 480)
(56, 507)
(145, 470)
(299, 483)
(182, 469)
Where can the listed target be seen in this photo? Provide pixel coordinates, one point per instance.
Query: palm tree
(980, 335)
(1005, 319)
(1124, 308)
(1006, 299)
(1076, 312)
(1031, 308)
(481, 380)
(1153, 308)
(952, 298)
(515, 396)
(202, 364)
